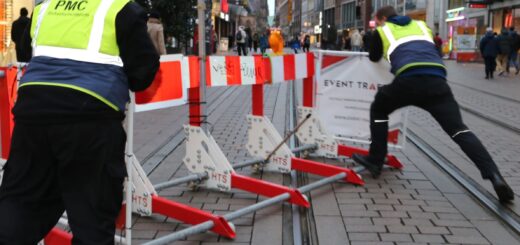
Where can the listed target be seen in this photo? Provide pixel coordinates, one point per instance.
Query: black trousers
(78, 168)
(490, 65)
(433, 95)
(242, 49)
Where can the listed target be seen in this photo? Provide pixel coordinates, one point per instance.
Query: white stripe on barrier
(218, 71)
(277, 69)
(247, 70)
(301, 66)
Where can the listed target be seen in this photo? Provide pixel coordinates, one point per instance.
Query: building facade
(9, 12)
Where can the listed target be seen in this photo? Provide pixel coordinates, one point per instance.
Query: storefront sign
(454, 14)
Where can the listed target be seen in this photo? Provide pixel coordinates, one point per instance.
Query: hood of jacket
(400, 20)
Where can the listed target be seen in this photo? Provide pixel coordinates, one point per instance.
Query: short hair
(24, 12)
(512, 28)
(386, 11)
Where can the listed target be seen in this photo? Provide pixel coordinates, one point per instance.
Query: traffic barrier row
(177, 83)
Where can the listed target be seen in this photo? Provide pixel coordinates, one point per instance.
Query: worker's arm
(137, 51)
(375, 47)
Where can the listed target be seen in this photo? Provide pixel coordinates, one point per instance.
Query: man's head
(384, 13)
(24, 12)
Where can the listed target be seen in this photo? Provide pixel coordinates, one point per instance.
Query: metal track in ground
(506, 215)
(485, 92)
(493, 120)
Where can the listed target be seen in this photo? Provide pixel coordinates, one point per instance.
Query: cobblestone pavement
(419, 205)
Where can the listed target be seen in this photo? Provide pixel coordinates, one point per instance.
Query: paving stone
(355, 236)
(331, 230)
(366, 228)
(428, 238)
(433, 230)
(402, 229)
(466, 240)
(396, 237)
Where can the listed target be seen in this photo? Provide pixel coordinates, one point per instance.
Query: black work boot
(504, 192)
(373, 167)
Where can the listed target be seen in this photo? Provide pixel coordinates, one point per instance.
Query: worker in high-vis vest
(68, 143)
(420, 80)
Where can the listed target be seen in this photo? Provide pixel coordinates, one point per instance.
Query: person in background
(241, 38)
(264, 44)
(17, 30)
(420, 80)
(438, 43)
(366, 40)
(306, 43)
(356, 40)
(255, 42)
(156, 31)
(489, 51)
(68, 144)
(513, 58)
(505, 47)
(295, 44)
(249, 40)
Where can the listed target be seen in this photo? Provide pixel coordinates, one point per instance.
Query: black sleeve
(376, 47)
(140, 58)
(25, 44)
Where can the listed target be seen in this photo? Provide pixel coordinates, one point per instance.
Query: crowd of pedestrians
(500, 51)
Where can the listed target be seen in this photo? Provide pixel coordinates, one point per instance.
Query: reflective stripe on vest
(99, 45)
(387, 30)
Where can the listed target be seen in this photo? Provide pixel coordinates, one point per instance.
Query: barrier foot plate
(325, 170)
(58, 237)
(348, 151)
(190, 215)
(268, 189)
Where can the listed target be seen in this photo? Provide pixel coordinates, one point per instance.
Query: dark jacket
(408, 53)
(17, 31)
(47, 104)
(516, 41)
(505, 43)
(489, 45)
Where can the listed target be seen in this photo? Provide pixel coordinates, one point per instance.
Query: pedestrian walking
(438, 43)
(306, 43)
(489, 51)
(513, 57)
(356, 40)
(505, 47)
(420, 80)
(240, 38)
(366, 40)
(68, 145)
(17, 30)
(264, 44)
(156, 31)
(295, 44)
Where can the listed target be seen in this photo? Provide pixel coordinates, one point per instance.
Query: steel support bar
(206, 226)
(268, 189)
(58, 237)
(305, 148)
(326, 170)
(249, 163)
(180, 181)
(191, 215)
(348, 151)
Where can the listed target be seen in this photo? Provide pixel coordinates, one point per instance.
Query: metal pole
(180, 181)
(208, 225)
(129, 159)
(201, 12)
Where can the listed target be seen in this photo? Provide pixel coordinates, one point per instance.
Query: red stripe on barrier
(194, 68)
(58, 237)
(268, 71)
(289, 65)
(195, 109)
(190, 215)
(308, 92)
(260, 71)
(310, 65)
(209, 82)
(8, 93)
(258, 100)
(162, 88)
(325, 170)
(393, 136)
(348, 151)
(267, 189)
(234, 74)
